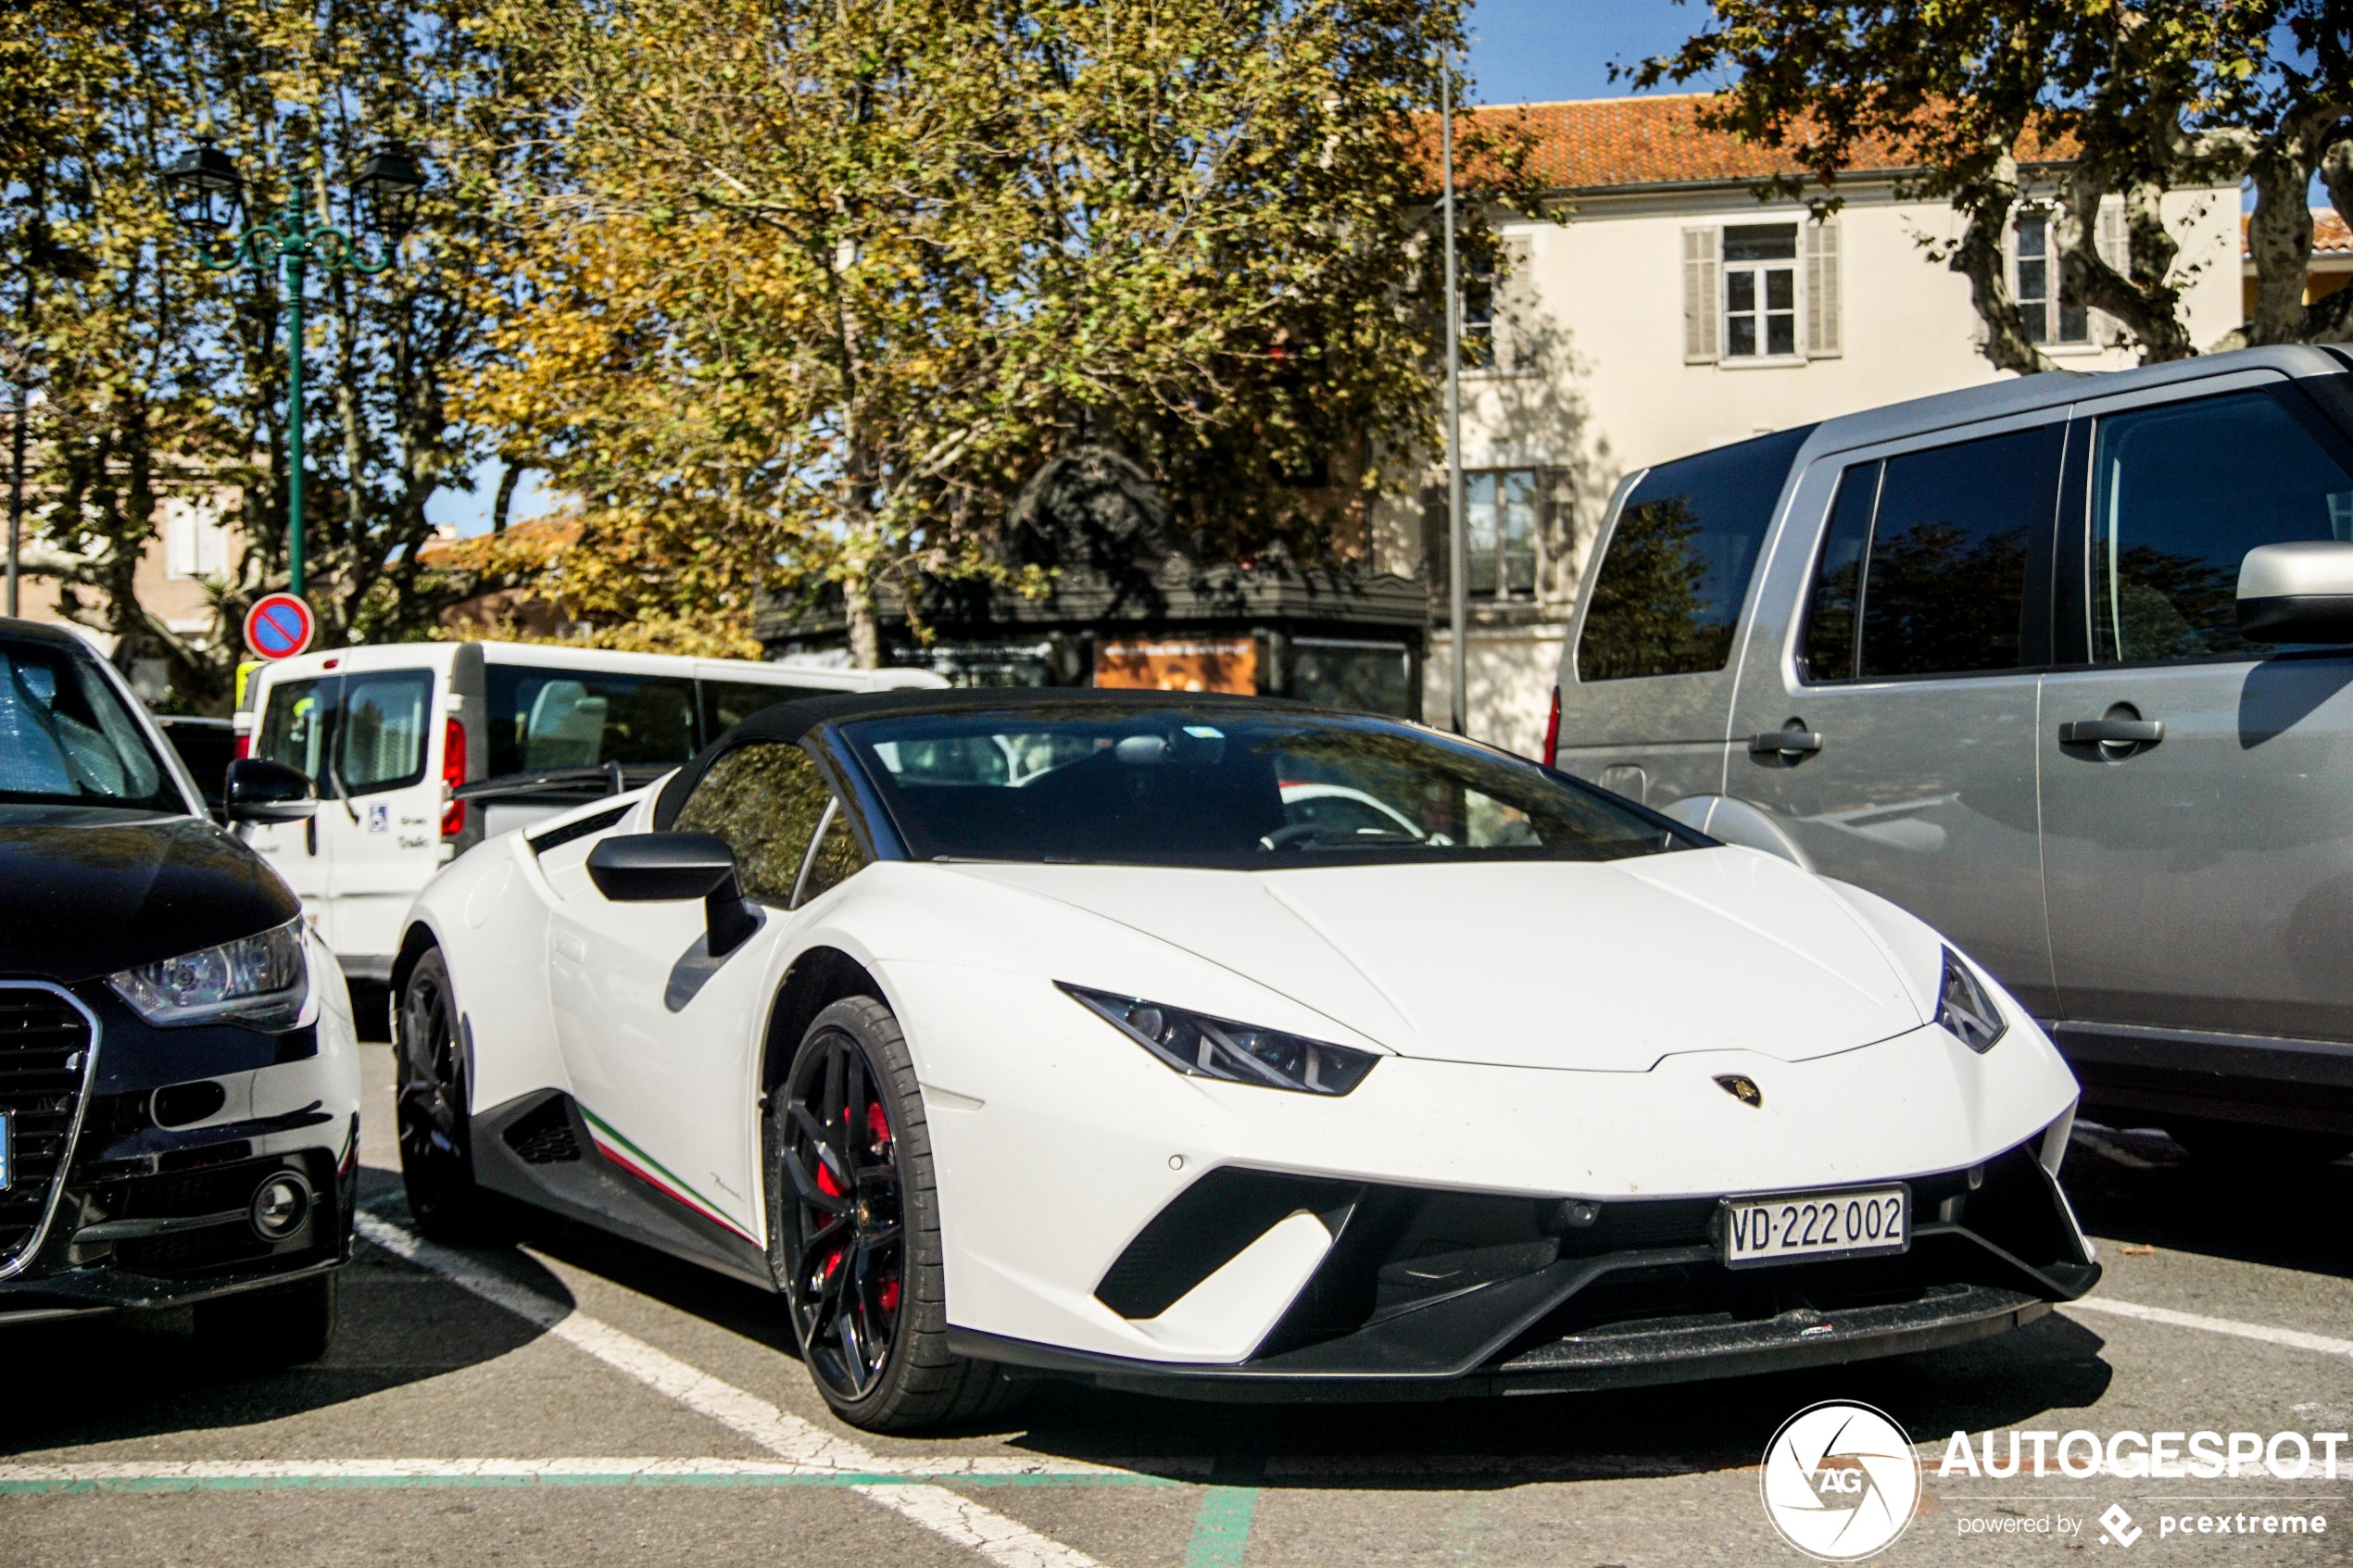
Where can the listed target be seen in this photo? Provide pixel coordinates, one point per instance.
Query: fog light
(280, 1206)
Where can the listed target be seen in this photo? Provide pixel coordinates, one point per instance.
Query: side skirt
(540, 1149)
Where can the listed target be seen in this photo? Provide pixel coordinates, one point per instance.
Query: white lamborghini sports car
(1016, 1034)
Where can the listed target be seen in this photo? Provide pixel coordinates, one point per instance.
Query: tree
(1998, 103)
(824, 283)
(163, 379)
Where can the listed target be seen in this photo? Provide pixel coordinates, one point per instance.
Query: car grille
(44, 1056)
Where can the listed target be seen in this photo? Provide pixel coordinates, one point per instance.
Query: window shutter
(1821, 290)
(1703, 315)
(1514, 306)
(2109, 242)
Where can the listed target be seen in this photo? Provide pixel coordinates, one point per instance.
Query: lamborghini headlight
(1966, 1008)
(1203, 1046)
(260, 982)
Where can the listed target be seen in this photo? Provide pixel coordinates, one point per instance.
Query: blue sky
(1522, 51)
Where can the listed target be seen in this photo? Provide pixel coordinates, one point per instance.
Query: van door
(1890, 733)
(297, 730)
(2200, 877)
(383, 838)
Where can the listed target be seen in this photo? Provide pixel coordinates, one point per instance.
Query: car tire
(853, 1229)
(431, 1111)
(279, 1326)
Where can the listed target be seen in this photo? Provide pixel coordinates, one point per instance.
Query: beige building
(191, 549)
(1670, 310)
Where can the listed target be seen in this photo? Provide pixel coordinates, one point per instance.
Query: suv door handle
(1785, 743)
(2111, 731)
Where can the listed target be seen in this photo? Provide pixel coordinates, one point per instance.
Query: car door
(1891, 734)
(382, 835)
(298, 730)
(2201, 879)
(662, 1040)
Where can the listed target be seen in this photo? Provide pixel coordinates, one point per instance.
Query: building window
(195, 543)
(1760, 291)
(2044, 311)
(1476, 328)
(1499, 516)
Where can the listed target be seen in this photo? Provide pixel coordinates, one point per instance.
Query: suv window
(384, 717)
(1671, 586)
(2179, 493)
(728, 703)
(1926, 558)
(543, 719)
(765, 800)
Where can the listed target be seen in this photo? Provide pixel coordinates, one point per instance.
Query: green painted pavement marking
(428, 1483)
(1221, 1530)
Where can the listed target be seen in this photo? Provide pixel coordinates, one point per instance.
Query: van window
(1678, 562)
(728, 703)
(296, 724)
(385, 719)
(2179, 493)
(1926, 557)
(542, 719)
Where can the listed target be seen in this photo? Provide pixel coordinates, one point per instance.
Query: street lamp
(208, 195)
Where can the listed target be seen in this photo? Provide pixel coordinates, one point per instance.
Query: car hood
(1602, 967)
(84, 893)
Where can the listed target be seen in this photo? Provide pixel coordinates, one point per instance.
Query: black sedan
(179, 1073)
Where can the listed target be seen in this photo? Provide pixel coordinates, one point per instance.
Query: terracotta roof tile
(1596, 143)
(2330, 235)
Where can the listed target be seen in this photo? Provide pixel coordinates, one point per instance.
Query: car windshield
(66, 737)
(1227, 787)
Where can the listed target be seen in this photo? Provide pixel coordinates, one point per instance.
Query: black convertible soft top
(789, 722)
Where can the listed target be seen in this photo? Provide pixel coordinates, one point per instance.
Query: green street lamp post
(207, 196)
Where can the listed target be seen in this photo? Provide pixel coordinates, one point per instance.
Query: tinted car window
(1944, 584)
(728, 703)
(2179, 493)
(1924, 561)
(765, 799)
(1226, 787)
(383, 730)
(837, 860)
(542, 719)
(66, 737)
(1680, 559)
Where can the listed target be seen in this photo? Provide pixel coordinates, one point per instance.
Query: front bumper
(143, 1151)
(1438, 1295)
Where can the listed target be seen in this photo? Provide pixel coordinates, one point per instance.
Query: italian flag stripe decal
(655, 1175)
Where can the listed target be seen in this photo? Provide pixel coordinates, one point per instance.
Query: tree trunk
(1983, 258)
(866, 624)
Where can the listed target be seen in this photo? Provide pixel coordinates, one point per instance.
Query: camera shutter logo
(1840, 1481)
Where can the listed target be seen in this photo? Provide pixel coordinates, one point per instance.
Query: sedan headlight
(1965, 1007)
(1203, 1046)
(260, 982)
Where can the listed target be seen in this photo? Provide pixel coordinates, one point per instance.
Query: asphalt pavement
(578, 1400)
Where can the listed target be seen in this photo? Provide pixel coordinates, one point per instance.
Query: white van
(420, 751)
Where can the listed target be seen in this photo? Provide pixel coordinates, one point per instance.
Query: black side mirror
(651, 868)
(255, 790)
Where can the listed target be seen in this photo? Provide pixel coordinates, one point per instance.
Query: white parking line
(1001, 1540)
(2294, 1340)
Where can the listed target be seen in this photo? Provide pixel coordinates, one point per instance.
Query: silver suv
(2064, 665)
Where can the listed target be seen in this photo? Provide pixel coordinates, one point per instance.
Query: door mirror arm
(647, 867)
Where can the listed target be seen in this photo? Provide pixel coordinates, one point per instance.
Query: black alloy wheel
(854, 1229)
(437, 1155)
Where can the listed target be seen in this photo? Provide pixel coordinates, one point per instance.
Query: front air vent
(47, 1045)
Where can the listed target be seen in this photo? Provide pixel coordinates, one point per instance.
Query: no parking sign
(279, 626)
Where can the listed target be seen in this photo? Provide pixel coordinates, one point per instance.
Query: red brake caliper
(878, 1143)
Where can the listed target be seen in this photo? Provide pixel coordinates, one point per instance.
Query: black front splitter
(1629, 1355)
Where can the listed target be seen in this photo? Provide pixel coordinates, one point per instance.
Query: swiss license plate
(1794, 1226)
